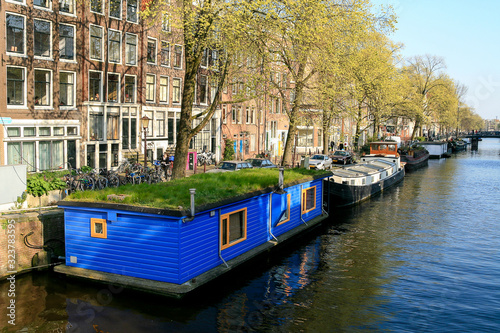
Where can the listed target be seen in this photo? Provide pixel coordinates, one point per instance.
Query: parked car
(226, 166)
(320, 162)
(341, 156)
(261, 163)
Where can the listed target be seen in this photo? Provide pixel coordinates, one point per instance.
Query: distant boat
(377, 171)
(415, 158)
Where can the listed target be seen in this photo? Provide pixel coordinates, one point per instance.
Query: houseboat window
(392, 147)
(353, 181)
(233, 228)
(363, 181)
(98, 228)
(308, 199)
(285, 208)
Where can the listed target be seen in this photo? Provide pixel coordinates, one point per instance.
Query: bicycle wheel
(101, 183)
(113, 181)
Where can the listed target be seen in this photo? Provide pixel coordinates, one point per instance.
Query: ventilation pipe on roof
(192, 191)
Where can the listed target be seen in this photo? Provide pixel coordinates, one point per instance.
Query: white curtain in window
(13, 153)
(44, 147)
(29, 155)
(57, 154)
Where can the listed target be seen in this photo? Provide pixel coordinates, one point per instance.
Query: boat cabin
(385, 148)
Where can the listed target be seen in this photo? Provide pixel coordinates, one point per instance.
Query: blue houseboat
(172, 252)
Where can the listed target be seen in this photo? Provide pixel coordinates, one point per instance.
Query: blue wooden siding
(295, 207)
(163, 248)
(139, 245)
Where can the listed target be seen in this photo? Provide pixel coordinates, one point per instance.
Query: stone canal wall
(30, 240)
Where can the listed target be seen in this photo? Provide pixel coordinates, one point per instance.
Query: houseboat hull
(343, 195)
(413, 163)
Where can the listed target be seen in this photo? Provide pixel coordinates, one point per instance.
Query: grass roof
(210, 188)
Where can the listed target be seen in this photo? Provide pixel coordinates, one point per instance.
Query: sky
(466, 34)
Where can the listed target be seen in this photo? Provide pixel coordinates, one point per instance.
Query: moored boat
(376, 172)
(415, 158)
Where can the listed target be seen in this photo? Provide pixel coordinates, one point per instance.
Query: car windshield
(227, 166)
(255, 163)
(339, 153)
(318, 157)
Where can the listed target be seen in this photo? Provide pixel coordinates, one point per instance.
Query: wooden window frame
(288, 199)
(245, 228)
(93, 222)
(304, 198)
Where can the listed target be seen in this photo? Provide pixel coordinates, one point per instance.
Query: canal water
(422, 257)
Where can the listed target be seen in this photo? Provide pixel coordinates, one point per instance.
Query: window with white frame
(165, 22)
(42, 31)
(66, 42)
(112, 127)
(150, 87)
(224, 113)
(165, 53)
(149, 131)
(247, 111)
(213, 90)
(151, 51)
(252, 115)
(204, 59)
(160, 123)
(96, 126)
(43, 83)
(113, 87)
(67, 6)
(114, 46)
(274, 129)
(203, 89)
(95, 86)
(96, 6)
(67, 89)
(129, 89)
(178, 56)
(96, 42)
(132, 10)
(16, 85)
(42, 3)
(130, 49)
(21, 153)
(15, 33)
(163, 89)
(176, 91)
(115, 9)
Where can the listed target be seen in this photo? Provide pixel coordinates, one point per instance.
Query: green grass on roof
(210, 188)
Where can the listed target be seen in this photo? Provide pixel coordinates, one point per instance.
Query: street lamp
(144, 125)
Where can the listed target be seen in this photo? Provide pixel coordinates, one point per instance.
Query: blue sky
(466, 34)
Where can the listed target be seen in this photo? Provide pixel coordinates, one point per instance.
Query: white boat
(377, 171)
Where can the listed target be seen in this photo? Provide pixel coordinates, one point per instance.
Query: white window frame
(22, 2)
(134, 99)
(51, 88)
(50, 40)
(169, 53)
(74, 90)
(119, 46)
(119, 87)
(72, 3)
(180, 91)
(10, 53)
(48, 8)
(204, 102)
(175, 56)
(138, 3)
(109, 10)
(167, 88)
(102, 43)
(154, 88)
(100, 87)
(155, 52)
(25, 88)
(74, 42)
(165, 27)
(126, 53)
(102, 9)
